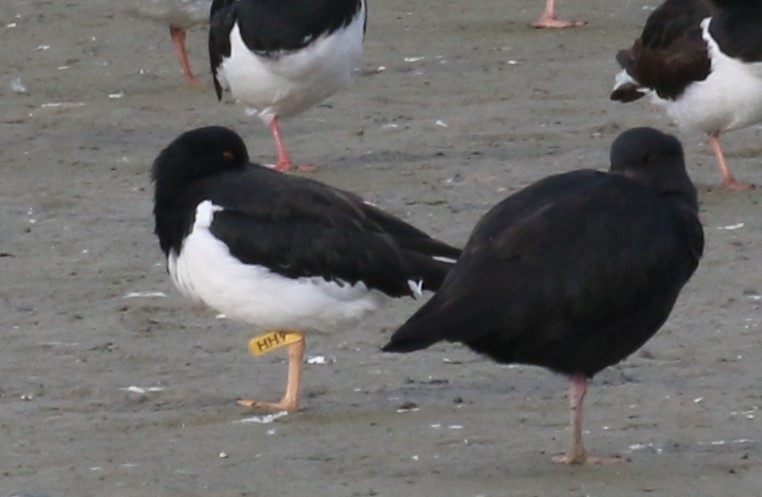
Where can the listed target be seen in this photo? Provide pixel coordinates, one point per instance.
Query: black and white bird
(575, 272)
(179, 15)
(548, 18)
(702, 60)
(280, 252)
(280, 57)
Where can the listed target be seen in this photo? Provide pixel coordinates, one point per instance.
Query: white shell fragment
(731, 227)
(266, 419)
(18, 86)
(320, 359)
(147, 294)
(136, 389)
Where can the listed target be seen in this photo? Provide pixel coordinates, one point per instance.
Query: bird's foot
(585, 459)
(552, 22)
(738, 186)
(193, 82)
(283, 405)
(284, 166)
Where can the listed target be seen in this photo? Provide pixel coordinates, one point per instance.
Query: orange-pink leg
(284, 161)
(178, 38)
(577, 453)
(290, 400)
(548, 19)
(728, 180)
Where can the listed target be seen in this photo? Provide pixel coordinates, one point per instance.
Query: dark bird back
(294, 226)
(576, 271)
(278, 252)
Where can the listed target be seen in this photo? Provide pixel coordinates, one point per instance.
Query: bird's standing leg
(548, 18)
(290, 400)
(728, 180)
(178, 38)
(577, 453)
(284, 161)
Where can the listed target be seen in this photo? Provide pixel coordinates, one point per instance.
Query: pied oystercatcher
(702, 60)
(280, 57)
(281, 252)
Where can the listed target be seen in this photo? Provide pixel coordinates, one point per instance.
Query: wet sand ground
(471, 106)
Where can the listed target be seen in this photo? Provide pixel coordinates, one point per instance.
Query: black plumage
(272, 27)
(737, 28)
(294, 226)
(574, 272)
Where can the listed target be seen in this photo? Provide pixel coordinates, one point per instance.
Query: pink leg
(290, 400)
(577, 453)
(548, 18)
(178, 38)
(728, 180)
(284, 161)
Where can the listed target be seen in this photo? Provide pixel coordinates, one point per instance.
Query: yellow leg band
(263, 344)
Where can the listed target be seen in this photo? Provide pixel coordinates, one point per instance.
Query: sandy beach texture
(113, 385)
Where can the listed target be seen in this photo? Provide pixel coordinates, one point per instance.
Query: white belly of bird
(293, 81)
(206, 271)
(729, 98)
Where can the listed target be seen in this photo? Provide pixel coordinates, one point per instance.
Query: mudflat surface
(471, 105)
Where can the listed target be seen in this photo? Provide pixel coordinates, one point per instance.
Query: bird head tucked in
(198, 153)
(654, 159)
(194, 155)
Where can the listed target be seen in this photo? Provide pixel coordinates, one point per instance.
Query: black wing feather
(299, 227)
(738, 31)
(221, 21)
(559, 270)
(272, 26)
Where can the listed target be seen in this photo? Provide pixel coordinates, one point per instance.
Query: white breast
(206, 271)
(297, 80)
(729, 98)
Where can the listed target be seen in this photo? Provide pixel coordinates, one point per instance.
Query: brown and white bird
(281, 252)
(281, 57)
(179, 16)
(702, 61)
(573, 273)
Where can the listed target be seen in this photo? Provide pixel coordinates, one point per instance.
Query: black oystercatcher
(575, 272)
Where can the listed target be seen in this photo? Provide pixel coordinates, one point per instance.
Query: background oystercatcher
(703, 61)
(179, 15)
(548, 18)
(280, 57)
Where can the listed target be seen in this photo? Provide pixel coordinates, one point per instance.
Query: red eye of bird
(228, 155)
